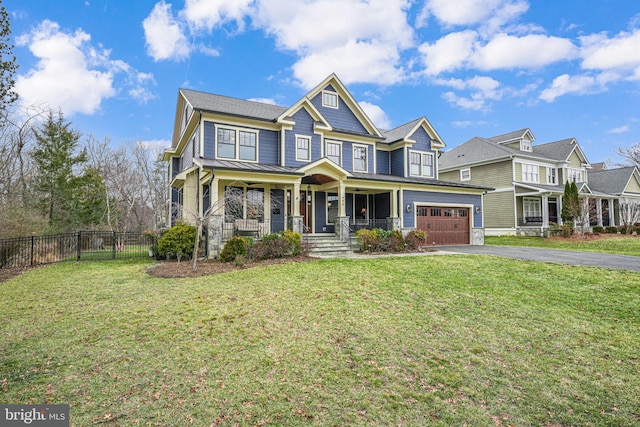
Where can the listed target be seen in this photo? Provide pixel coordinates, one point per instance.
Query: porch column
(342, 207)
(545, 211)
(559, 199)
(394, 204)
(214, 203)
(295, 199)
(612, 216)
(585, 213)
(599, 211)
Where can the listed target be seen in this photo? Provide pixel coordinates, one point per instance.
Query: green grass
(614, 245)
(430, 340)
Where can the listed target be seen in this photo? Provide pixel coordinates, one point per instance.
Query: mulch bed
(8, 273)
(173, 269)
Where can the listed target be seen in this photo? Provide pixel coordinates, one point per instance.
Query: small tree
(571, 204)
(629, 213)
(8, 66)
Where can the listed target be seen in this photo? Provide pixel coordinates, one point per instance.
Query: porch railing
(369, 224)
(255, 229)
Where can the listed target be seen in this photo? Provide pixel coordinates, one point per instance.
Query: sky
(564, 69)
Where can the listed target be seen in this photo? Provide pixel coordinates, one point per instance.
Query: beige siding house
(528, 182)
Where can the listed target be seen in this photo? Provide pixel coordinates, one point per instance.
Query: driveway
(590, 259)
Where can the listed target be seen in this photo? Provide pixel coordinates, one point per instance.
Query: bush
(598, 229)
(622, 229)
(612, 229)
(378, 240)
(271, 246)
(567, 229)
(294, 242)
(414, 240)
(235, 246)
(179, 239)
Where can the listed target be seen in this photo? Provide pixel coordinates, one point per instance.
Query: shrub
(598, 229)
(178, 239)
(367, 240)
(235, 246)
(622, 229)
(415, 239)
(294, 242)
(378, 240)
(271, 246)
(612, 229)
(567, 229)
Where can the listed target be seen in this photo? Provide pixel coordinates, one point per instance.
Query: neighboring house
(527, 180)
(623, 184)
(318, 166)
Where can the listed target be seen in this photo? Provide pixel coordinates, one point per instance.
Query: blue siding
(347, 156)
(382, 160)
(411, 196)
(268, 143)
(423, 143)
(397, 162)
(339, 118)
(303, 126)
(320, 211)
(175, 166)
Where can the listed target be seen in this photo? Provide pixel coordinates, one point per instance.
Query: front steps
(326, 246)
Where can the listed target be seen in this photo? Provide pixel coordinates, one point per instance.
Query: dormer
(520, 140)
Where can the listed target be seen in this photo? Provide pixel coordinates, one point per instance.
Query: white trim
(422, 154)
(333, 94)
(237, 131)
(308, 138)
(333, 141)
(535, 175)
(462, 171)
(555, 170)
(366, 161)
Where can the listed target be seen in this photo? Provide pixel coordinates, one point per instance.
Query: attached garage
(444, 225)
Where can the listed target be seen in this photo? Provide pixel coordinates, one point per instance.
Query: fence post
(79, 244)
(32, 237)
(113, 250)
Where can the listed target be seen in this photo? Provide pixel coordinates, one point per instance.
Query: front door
(306, 211)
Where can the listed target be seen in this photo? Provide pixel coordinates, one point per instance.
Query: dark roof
(517, 134)
(558, 150)
(412, 180)
(232, 106)
(246, 167)
(611, 181)
(476, 150)
(399, 133)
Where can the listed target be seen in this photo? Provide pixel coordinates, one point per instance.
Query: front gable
(633, 186)
(576, 158)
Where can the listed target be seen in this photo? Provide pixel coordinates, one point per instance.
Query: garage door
(444, 226)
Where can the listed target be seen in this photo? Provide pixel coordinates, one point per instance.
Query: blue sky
(472, 67)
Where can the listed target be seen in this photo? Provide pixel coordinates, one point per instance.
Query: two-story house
(528, 181)
(318, 166)
(623, 185)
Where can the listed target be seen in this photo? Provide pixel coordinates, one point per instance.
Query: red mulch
(173, 269)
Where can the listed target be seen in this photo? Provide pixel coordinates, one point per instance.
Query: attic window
(525, 145)
(329, 99)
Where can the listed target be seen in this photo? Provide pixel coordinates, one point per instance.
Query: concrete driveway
(590, 259)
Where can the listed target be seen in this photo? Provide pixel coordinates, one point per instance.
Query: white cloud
(530, 51)
(207, 14)
(467, 123)
(621, 129)
(164, 36)
(448, 53)
(69, 74)
(579, 85)
(489, 13)
(264, 100)
(376, 114)
(482, 91)
(73, 75)
(354, 62)
(620, 52)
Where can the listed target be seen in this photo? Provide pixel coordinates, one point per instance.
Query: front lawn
(427, 340)
(612, 244)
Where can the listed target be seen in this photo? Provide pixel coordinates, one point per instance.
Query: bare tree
(630, 154)
(629, 212)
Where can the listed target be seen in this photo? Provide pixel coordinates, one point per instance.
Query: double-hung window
(360, 158)
(465, 174)
(333, 152)
(237, 144)
(329, 99)
(575, 175)
(421, 164)
(530, 173)
(552, 176)
(532, 208)
(303, 148)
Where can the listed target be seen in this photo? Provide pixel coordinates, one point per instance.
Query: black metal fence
(78, 246)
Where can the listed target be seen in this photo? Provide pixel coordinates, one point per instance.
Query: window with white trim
(575, 175)
(552, 176)
(303, 149)
(329, 99)
(525, 145)
(421, 164)
(530, 173)
(334, 152)
(360, 158)
(532, 208)
(236, 144)
(465, 174)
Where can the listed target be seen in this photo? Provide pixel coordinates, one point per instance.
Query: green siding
(498, 210)
(634, 186)
(495, 175)
(574, 160)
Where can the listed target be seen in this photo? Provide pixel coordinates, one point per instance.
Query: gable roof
(612, 181)
(560, 150)
(232, 106)
(405, 131)
(513, 136)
